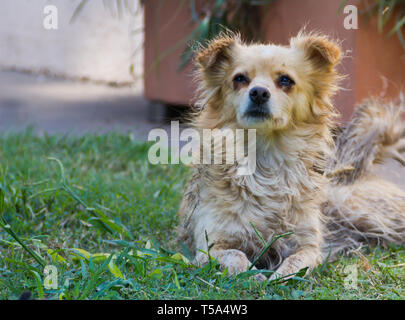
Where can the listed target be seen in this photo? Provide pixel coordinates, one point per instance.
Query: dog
(320, 190)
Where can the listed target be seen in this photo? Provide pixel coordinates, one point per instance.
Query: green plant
(386, 10)
(214, 16)
(217, 15)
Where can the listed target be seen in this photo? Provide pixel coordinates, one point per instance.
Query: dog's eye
(240, 78)
(285, 81)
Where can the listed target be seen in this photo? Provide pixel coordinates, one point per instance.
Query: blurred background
(124, 64)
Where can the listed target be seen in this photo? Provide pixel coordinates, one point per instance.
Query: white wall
(98, 45)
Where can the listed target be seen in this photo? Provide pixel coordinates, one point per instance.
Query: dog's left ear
(324, 55)
(216, 55)
(322, 52)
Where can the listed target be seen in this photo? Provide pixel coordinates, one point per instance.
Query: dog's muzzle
(259, 103)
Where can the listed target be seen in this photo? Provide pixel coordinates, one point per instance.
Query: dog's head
(267, 87)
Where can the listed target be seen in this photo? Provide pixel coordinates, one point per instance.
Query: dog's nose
(259, 95)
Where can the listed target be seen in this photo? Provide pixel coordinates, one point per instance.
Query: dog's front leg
(234, 260)
(308, 233)
(309, 256)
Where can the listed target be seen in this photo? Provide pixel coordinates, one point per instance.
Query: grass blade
(10, 231)
(267, 247)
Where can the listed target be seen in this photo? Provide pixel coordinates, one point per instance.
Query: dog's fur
(324, 194)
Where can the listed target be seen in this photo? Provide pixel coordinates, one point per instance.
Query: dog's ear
(324, 55)
(213, 57)
(321, 51)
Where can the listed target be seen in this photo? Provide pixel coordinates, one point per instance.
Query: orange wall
(166, 31)
(380, 64)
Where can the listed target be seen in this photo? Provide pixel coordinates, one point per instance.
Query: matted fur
(362, 207)
(288, 190)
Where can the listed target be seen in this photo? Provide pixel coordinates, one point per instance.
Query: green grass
(107, 199)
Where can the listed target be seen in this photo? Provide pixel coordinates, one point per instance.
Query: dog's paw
(237, 262)
(275, 276)
(234, 260)
(260, 277)
(289, 268)
(280, 275)
(284, 272)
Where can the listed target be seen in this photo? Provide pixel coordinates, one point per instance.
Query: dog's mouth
(257, 113)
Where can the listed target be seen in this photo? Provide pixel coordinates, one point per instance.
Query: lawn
(93, 207)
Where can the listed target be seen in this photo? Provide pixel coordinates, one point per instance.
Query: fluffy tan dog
(327, 197)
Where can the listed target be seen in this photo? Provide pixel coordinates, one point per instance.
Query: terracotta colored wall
(378, 56)
(370, 55)
(166, 33)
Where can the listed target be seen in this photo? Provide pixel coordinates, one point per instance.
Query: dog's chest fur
(274, 199)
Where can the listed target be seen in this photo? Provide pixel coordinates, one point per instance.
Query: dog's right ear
(217, 54)
(324, 53)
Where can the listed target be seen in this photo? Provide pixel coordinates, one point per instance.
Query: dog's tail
(361, 207)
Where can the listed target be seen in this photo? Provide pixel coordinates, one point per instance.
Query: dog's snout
(259, 95)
